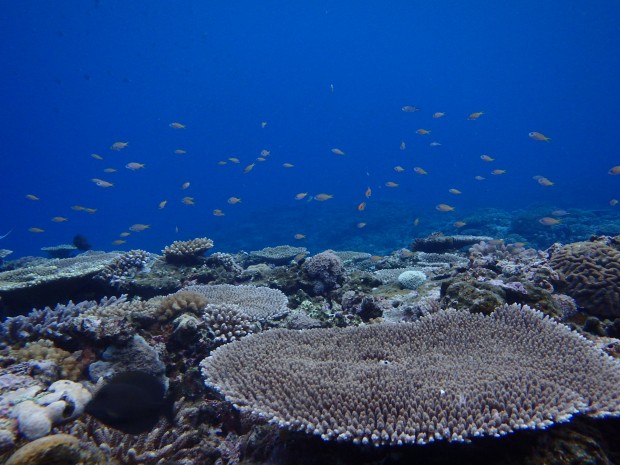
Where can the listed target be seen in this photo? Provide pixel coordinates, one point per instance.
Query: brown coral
(590, 271)
(450, 376)
(57, 449)
(187, 252)
(70, 364)
(181, 302)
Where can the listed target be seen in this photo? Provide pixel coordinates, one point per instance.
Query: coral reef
(187, 252)
(280, 255)
(326, 270)
(590, 273)
(438, 243)
(411, 279)
(180, 302)
(59, 251)
(125, 267)
(57, 449)
(226, 322)
(398, 384)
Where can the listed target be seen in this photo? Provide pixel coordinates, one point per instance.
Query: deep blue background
(77, 76)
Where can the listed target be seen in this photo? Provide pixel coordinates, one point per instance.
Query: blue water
(77, 76)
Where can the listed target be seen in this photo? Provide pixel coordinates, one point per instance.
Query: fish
(422, 132)
(109, 170)
(299, 236)
(139, 227)
(96, 156)
(288, 165)
(188, 200)
(118, 146)
(218, 212)
(77, 208)
(498, 172)
(101, 183)
(323, 197)
(614, 171)
(368, 192)
(438, 114)
(263, 124)
(132, 402)
(475, 115)
(545, 182)
(360, 225)
(234, 160)
(331, 88)
(459, 224)
(454, 191)
(133, 165)
(36, 230)
(125, 234)
(89, 210)
(409, 109)
(435, 144)
(613, 202)
(479, 178)
(260, 159)
(416, 222)
(249, 168)
(176, 125)
(336, 151)
(162, 204)
(265, 153)
(118, 242)
(59, 219)
(486, 158)
(442, 207)
(233, 200)
(391, 184)
(222, 163)
(548, 221)
(403, 145)
(185, 185)
(32, 197)
(361, 207)
(301, 196)
(559, 213)
(419, 170)
(180, 151)
(538, 136)
(399, 169)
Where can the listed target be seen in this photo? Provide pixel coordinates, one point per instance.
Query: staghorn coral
(452, 375)
(326, 270)
(187, 252)
(180, 302)
(260, 304)
(226, 322)
(590, 272)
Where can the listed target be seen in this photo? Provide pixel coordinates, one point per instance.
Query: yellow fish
(442, 207)
(614, 171)
(476, 115)
(338, 152)
(323, 197)
(36, 230)
(188, 201)
(101, 182)
(454, 191)
(180, 151)
(287, 165)
(139, 227)
(176, 125)
(218, 212)
(391, 184)
(96, 156)
(118, 242)
(59, 219)
(301, 196)
(233, 200)
(498, 172)
(399, 169)
(438, 114)
(419, 170)
(119, 146)
(422, 132)
(486, 158)
(538, 136)
(32, 197)
(162, 204)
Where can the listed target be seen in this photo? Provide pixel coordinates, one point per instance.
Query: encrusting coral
(452, 375)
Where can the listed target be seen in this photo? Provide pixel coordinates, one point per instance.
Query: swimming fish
(185, 185)
(109, 170)
(399, 169)
(498, 172)
(338, 152)
(475, 115)
(34, 197)
(233, 200)
(416, 222)
(368, 192)
(409, 109)
(360, 225)
(419, 170)
(613, 202)
(139, 227)
(459, 224)
(249, 168)
(101, 182)
(119, 146)
(442, 207)
(402, 145)
(233, 159)
(125, 234)
(189, 201)
(438, 114)
(96, 156)
(162, 204)
(323, 197)
(435, 144)
(132, 402)
(36, 230)
(299, 236)
(614, 171)
(361, 207)
(545, 182)
(288, 165)
(118, 242)
(59, 219)
(454, 191)
(263, 124)
(391, 184)
(486, 158)
(422, 132)
(548, 221)
(218, 212)
(301, 196)
(538, 136)
(265, 153)
(479, 178)
(180, 151)
(176, 125)
(133, 165)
